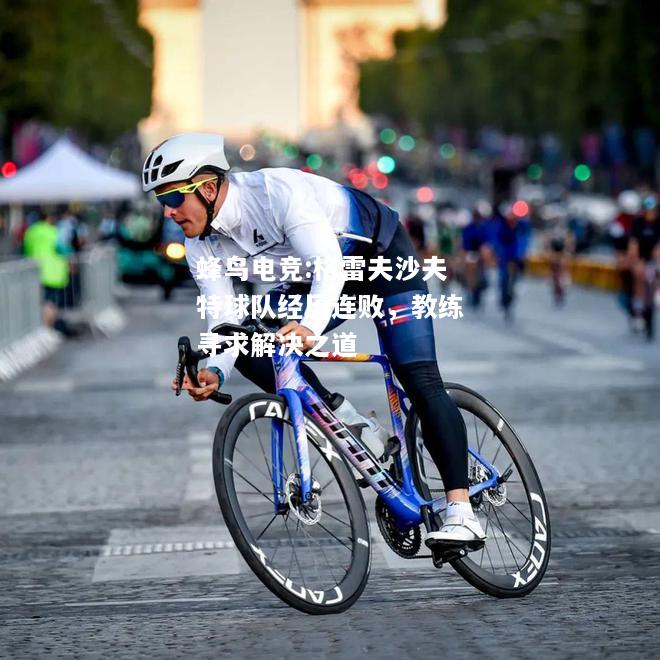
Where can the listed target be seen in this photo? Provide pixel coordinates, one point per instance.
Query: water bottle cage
(392, 447)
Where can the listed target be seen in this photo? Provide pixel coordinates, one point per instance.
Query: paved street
(112, 543)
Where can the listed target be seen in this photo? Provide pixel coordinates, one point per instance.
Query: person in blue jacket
(510, 236)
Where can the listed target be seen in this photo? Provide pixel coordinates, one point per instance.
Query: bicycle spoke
(253, 464)
(481, 559)
(293, 547)
(499, 549)
(327, 483)
(508, 467)
(320, 547)
(509, 541)
(258, 515)
(247, 493)
(327, 513)
(276, 549)
(512, 523)
(310, 538)
(293, 554)
(520, 512)
(316, 462)
(263, 451)
(506, 538)
(481, 442)
(497, 452)
(489, 558)
(263, 531)
(336, 537)
(247, 481)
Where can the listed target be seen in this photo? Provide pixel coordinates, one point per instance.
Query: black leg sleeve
(443, 428)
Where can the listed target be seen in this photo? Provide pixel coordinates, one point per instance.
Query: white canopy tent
(66, 174)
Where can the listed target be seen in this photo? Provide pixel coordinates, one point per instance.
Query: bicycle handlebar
(189, 359)
(187, 364)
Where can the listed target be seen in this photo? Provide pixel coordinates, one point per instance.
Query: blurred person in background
(73, 232)
(72, 236)
(630, 204)
(447, 246)
(559, 246)
(108, 227)
(6, 239)
(415, 227)
(41, 243)
(584, 231)
(18, 236)
(644, 253)
(510, 237)
(477, 250)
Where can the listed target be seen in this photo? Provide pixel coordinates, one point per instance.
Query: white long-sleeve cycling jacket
(277, 213)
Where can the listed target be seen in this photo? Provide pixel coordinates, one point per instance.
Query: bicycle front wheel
(514, 514)
(318, 561)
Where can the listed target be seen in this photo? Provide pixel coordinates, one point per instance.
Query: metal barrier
(98, 274)
(88, 299)
(20, 300)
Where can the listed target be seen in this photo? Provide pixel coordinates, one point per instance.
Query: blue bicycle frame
(402, 499)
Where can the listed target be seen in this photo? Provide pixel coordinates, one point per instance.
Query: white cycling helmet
(181, 157)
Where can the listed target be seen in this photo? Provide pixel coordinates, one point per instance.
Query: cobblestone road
(98, 463)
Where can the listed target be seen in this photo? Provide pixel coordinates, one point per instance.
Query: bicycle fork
(301, 451)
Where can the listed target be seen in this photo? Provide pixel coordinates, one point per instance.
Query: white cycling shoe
(458, 530)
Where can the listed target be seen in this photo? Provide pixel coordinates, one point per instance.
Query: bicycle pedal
(444, 555)
(472, 546)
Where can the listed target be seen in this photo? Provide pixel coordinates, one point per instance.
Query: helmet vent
(169, 168)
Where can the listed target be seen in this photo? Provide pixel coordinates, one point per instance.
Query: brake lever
(187, 364)
(184, 352)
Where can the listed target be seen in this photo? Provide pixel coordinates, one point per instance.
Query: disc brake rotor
(496, 496)
(309, 513)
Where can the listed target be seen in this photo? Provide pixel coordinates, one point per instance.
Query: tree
(529, 67)
(84, 64)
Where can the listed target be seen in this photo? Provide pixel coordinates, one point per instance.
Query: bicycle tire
(527, 578)
(236, 417)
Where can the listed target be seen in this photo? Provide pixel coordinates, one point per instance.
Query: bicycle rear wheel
(514, 514)
(318, 564)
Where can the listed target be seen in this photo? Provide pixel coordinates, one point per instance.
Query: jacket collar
(229, 215)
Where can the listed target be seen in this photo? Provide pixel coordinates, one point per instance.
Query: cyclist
(279, 213)
(644, 252)
(630, 204)
(510, 238)
(559, 244)
(476, 245)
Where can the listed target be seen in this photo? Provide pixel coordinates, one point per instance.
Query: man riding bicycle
(278, 213)
(644, 253)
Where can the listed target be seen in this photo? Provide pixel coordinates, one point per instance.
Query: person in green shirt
(41, 244)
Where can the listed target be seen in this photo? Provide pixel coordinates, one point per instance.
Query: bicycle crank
(406, 543)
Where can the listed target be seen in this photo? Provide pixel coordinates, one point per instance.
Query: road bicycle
(288, 476)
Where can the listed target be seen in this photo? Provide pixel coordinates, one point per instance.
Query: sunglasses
(174, 198)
